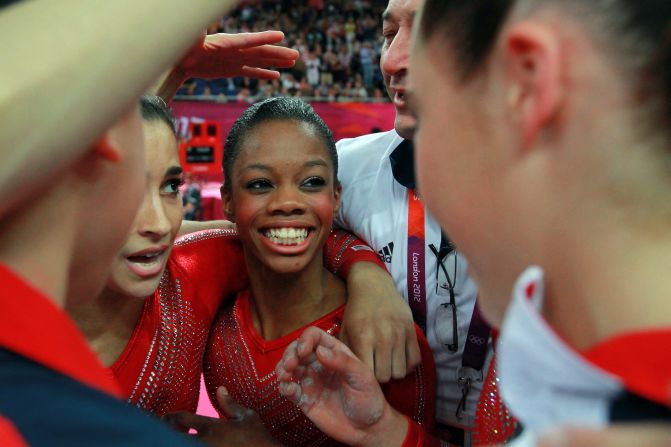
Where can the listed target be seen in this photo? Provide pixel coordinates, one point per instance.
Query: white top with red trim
(375, 208)
(546, 383)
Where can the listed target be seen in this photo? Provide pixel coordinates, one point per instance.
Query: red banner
(346, 120)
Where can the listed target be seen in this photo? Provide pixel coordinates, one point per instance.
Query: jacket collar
(403, 164)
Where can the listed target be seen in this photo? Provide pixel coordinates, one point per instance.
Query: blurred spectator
(366, 59)
(339, 42)
(312, 65)
(191, 198)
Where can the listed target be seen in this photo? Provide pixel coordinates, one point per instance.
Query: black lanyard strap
(474, 356)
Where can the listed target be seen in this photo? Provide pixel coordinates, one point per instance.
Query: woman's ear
(533, 56)
(104, 148)
(227, 203)
(101, 152)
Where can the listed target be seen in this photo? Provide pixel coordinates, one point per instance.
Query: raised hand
(230, 55)
(338, 392)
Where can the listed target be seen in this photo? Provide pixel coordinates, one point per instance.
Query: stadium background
(338, 73)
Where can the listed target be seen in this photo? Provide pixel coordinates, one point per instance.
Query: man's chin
(405, 126)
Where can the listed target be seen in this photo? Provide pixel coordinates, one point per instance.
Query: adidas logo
(386, 252)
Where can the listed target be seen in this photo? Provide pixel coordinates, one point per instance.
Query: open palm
(331, 386)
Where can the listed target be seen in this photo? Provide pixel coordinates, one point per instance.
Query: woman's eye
(172, 186)
(314, 182)
(258, 185)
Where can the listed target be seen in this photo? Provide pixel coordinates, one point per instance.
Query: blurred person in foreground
(561, 171)
(382, 205)
(79, 184)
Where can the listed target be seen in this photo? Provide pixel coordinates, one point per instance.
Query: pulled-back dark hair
(472, 27)
(275, 109)
(154, 108)
(638, 30)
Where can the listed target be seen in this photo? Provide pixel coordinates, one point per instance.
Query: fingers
(292, 364)
(271, 52)
(287, 365)
(413, 355)
(328, 361)
(383, 362)
(260, 73)
(385, 351)
(352, 370)
(230, 407)
(313, 337)
(362, 346)
(398, 360)
(293, 392)
(392, 353)
(244, 40)
(302, 352)
(270, 62)
(186, 420)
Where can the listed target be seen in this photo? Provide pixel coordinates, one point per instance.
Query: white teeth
(287, 236)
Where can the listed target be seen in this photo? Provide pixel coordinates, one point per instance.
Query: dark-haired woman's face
(282, 195)
(138, 267)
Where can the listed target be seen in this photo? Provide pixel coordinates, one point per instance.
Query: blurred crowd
(339, 42)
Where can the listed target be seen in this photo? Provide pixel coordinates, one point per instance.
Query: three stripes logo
(386, 253)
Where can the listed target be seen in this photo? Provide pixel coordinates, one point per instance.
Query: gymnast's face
(283, 196)
(138, 267)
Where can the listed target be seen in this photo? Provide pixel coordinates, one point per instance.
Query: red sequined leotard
(241, 360)
(160, 368)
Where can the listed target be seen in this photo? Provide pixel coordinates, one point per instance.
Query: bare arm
(82, 64)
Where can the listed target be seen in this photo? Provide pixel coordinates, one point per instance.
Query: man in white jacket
(380, 203)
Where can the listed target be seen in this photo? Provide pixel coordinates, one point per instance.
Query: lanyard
(475, 350)
(416, 266)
